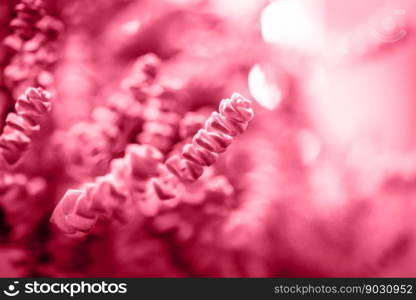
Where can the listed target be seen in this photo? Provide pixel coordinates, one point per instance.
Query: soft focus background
(322, 183)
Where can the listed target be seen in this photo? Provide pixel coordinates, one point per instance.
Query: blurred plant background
(320, 184)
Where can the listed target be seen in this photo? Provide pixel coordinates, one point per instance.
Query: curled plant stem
(108, 195)
(33, 46)
(31, 108)
(128, 181)
(206, 145)
(88, 146)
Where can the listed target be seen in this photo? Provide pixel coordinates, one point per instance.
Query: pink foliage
(119, 158)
